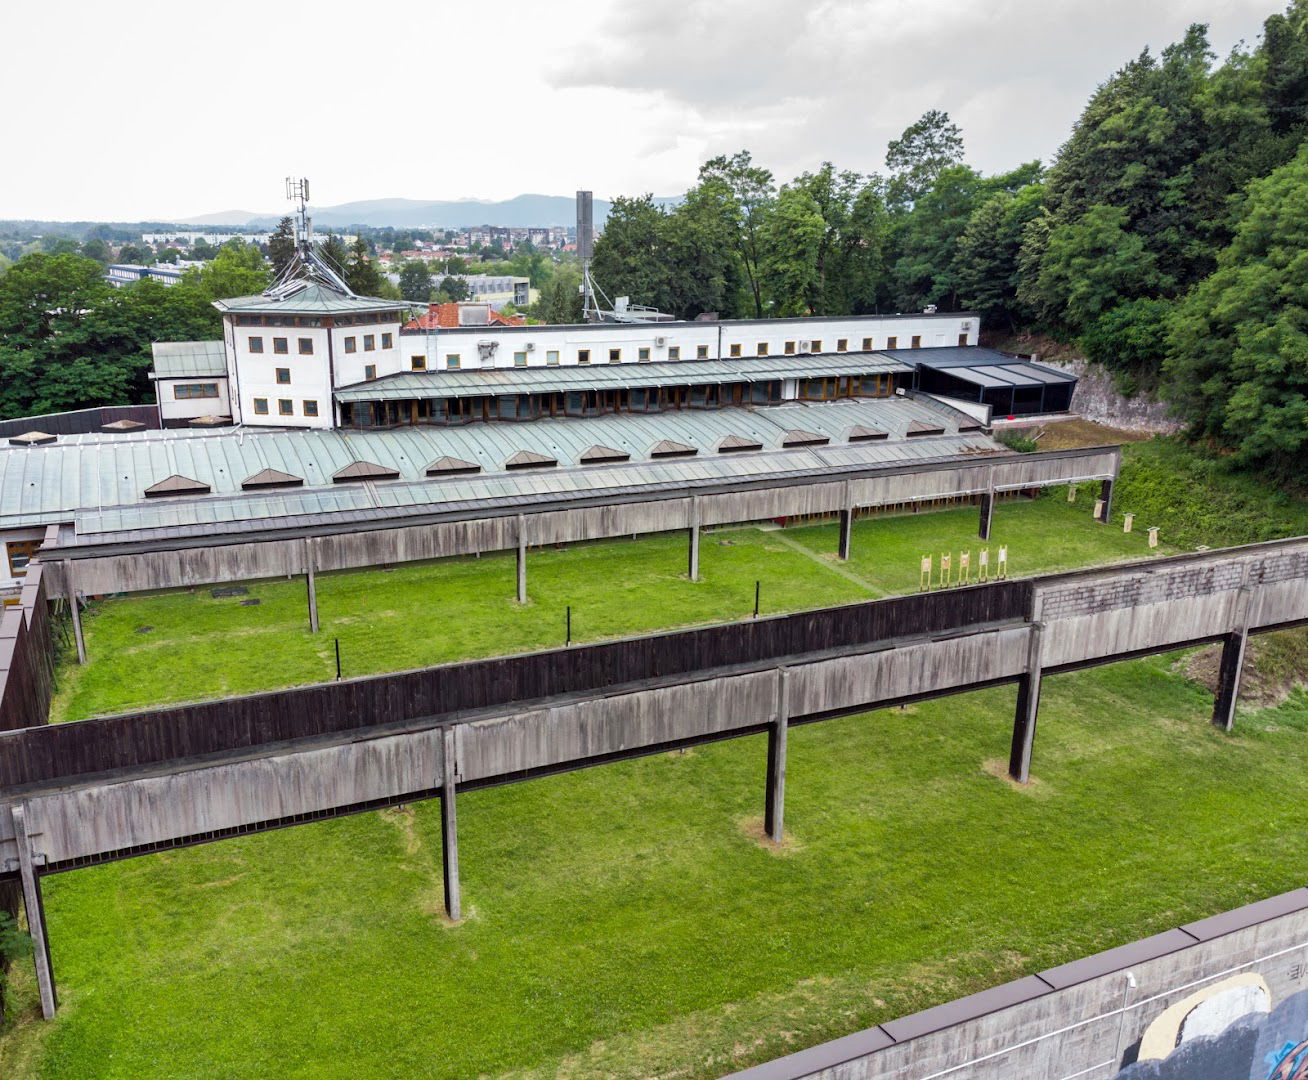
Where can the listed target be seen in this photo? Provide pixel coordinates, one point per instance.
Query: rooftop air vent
(526, 459)
(598, 455)
(734, 444)
(668, 449)
(33, 438)
(364, 470)
(798, 437)
(452, 466)
(922, 427)
(866, 434)
(176, 485)
(271, 478)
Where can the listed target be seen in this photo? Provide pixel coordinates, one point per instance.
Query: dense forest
(1168, 239)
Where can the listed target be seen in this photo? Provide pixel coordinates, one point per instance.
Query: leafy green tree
(1130, 340)
(749, 194)
(700, 242)
(1091, 265)
(560, 299)
(361, 274)
(860, 274)
(986, 269)
(165, 254)
(1237, 364)
(333, 250)
(918, 157)
(95, 248)
(60, 245)
(631, 257)
(203, 250)
(415, 281)
(237, 269)
(281, 247)
(792, 237)
(455, 288)
(137, 254)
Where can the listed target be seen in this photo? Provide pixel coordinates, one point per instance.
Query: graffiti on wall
(1232, 1030)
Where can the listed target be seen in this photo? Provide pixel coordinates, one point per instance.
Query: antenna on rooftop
(586, 250)
(298, 190)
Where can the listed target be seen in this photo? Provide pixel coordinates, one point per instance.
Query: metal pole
(310, 587)
(775, 797)
(71, 587)
(757, 584)
(569, 641)
(338, 659)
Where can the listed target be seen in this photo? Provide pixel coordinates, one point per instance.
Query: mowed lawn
(626, 920)
(188, 645)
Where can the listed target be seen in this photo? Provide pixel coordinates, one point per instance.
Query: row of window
(185, 391)
(455, 360)
(285, 407)
(281, 345)
(369, 343)
(314, 320)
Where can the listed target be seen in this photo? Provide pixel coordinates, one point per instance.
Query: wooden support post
(35, 916)
(310, 586)
(449, 828)
(522, 560)
(71, 586)
(846, 531)
(693, 567)
(1106, 501)
(775, 799)
(1234, 646)
(1028, 705)
(987, 514)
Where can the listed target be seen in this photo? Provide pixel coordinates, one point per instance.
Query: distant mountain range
(521, 210)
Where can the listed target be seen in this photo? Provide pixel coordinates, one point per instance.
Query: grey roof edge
(836, 1052)
(796, 320)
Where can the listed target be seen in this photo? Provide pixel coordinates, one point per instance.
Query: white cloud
(158, 109)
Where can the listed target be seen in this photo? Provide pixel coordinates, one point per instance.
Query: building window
(386, 341)
(552, 358)
(256, 344)
(762, 349)
(310, 408)
(583, 356)
(285, 407)
(815, 345)
(369, 342)
(917, 341)
(735, 350)
(351, 344)
(20, 553)
(279, 346)
(892, 343)
(842, 344)
(867, 344)
(306, 346)
(615, 356)
(370, 372)
(284, 376)
(418, 363)
(183, 391)
(642, 354)
(674, 352)
(701, 352)
(452, 360)
(962, 339)
(790, 348)
(519, 359)
(261, 406)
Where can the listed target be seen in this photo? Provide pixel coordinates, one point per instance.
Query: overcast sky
(165, 109)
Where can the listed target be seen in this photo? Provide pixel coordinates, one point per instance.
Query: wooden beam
(1105, 501)
(693, 568)
(35, 915)
(71, 588)
(449, 829)
(987, 514)
(775, 799)
(522, 559)
(846, 533)
(1028, 706)
(310, 586)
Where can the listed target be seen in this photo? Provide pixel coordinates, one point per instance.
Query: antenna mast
(586, 250)
(298, 190)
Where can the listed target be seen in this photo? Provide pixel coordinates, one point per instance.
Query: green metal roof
(188, 359)
(409, 385)
(99, 481)
(312, 299)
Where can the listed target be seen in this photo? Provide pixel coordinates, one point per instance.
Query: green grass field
(418, 614)
(626, 921)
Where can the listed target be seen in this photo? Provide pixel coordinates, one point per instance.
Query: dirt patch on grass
(752, 829)
(998, 768)
(1074, 433)
(1274, 665)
